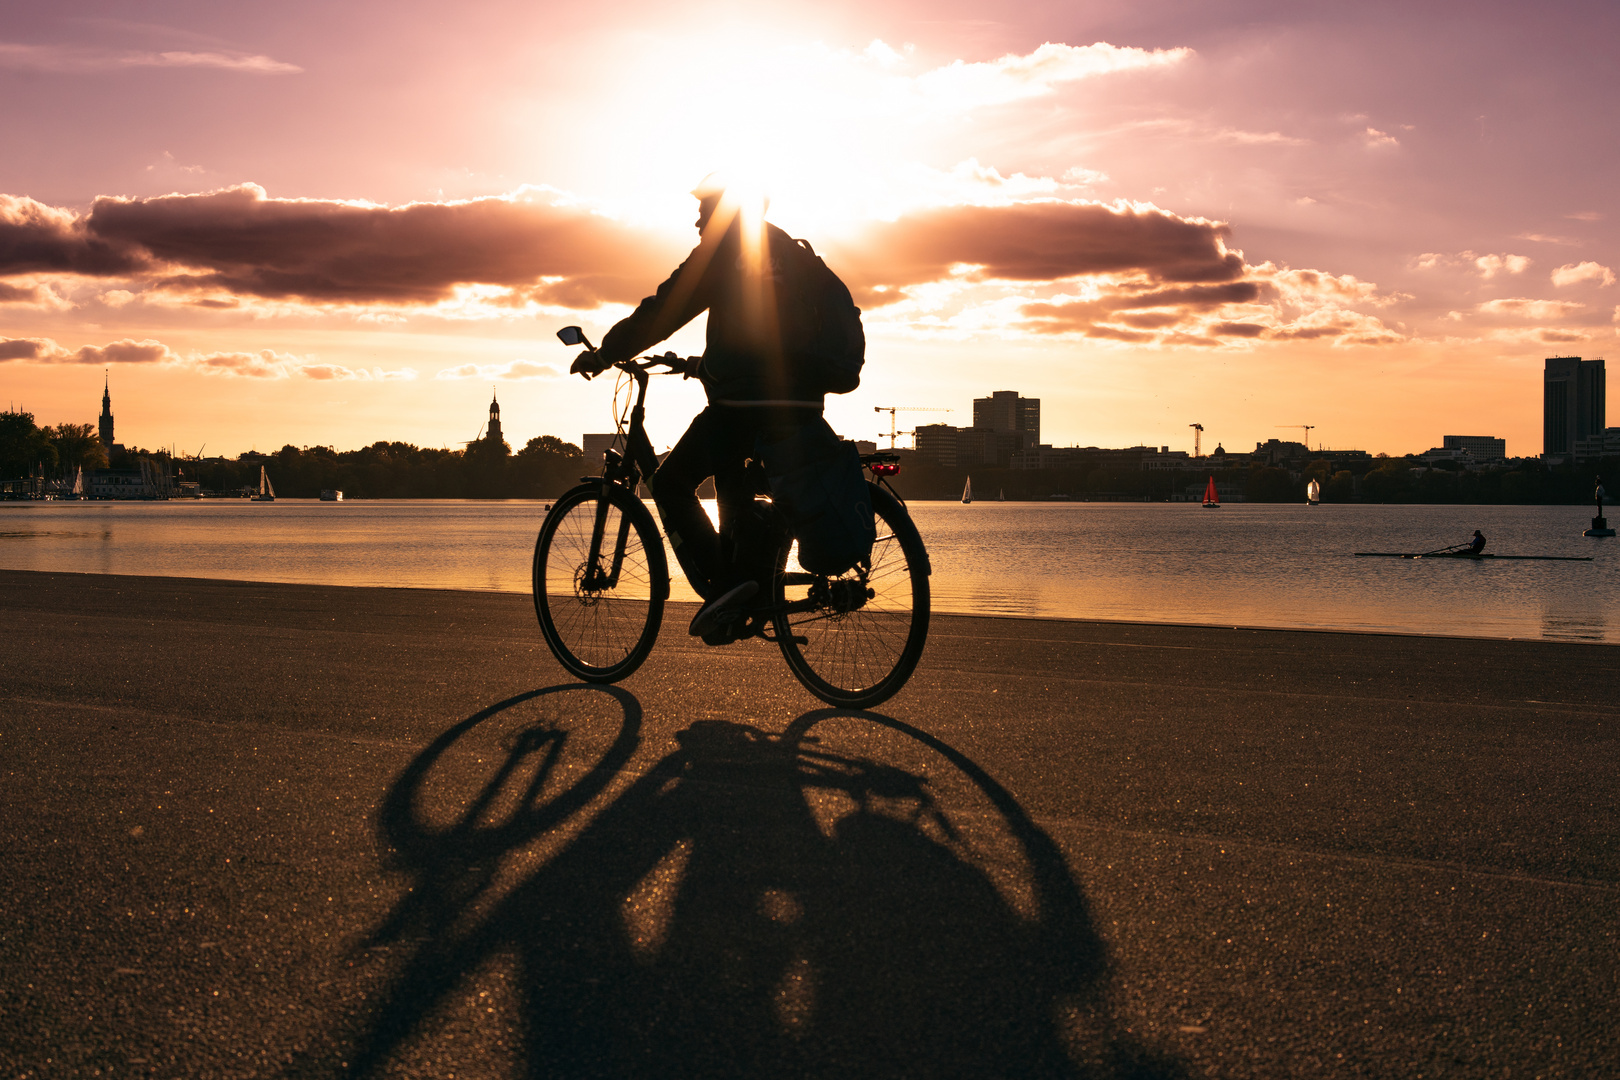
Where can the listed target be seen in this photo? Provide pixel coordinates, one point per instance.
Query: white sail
(1313, 491)
(967, 490)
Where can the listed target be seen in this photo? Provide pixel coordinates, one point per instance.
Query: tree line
(545, 467)
(1379, 480)
(26, 448)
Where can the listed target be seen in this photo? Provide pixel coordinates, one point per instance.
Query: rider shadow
(858, 900)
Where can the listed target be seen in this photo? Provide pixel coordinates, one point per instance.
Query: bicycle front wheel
(853, 640)
(600, 581)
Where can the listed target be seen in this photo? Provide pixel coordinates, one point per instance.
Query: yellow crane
(892, 409)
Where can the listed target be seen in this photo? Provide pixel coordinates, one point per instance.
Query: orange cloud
(47, 351)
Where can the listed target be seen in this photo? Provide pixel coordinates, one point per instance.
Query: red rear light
(886, 469)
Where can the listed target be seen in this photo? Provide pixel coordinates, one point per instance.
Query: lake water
(1240, 565)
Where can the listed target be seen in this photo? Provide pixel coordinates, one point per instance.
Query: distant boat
(967, 490)
(1313, 493)
(266, 492)
(331, 495)
(1212, 498)
(1001, 496)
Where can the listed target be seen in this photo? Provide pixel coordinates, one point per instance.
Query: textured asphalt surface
(282, 830)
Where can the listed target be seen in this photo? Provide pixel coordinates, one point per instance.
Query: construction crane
(1307, 428)
(892, 409)
(1198, 434)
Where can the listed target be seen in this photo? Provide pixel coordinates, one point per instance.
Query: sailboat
(1313, 493)
(967, 490)
(1212, 498)
(1001, 496)
(266, 492)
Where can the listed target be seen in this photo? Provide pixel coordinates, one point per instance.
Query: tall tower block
(1573, 396)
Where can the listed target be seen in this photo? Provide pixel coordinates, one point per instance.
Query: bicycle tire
(599, 633)
(858, 655)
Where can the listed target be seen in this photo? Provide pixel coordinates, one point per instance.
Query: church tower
(494, 419)
(106, 415)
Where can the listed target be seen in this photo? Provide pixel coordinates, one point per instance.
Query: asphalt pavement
(287, 830)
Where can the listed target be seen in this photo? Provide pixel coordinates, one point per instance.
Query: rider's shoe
(716, 621)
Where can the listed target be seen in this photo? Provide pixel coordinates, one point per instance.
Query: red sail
(1210, 496)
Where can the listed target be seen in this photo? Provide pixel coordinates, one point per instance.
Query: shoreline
(935, 613)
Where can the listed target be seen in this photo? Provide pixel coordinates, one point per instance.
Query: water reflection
(1571, 625)
(1282, 566)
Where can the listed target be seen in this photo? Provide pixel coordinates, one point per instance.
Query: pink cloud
(35, 238)
(1575, 273)
(1040, 241)
(246, 243)
(515, 371)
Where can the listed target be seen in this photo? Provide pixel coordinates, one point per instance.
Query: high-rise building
(106, 414)
(936, 443)
(1573, 395)
(1004, 410)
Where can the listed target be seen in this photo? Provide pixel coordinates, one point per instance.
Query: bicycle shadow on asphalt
(850, 896)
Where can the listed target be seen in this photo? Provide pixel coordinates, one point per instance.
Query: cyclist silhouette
(736, 274)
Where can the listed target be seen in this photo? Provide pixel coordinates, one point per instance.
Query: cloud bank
(1120, 271)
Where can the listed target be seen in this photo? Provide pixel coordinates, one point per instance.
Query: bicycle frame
(639, 461)
(621, 470)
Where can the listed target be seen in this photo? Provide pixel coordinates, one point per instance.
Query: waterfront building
(936, 443)
(1480, 447)
(595, 445)
(1602, 444)
(1573, 396)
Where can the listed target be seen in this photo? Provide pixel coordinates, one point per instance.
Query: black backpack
(827, 345)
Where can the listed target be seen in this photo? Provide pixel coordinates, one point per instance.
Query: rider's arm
(681, 298)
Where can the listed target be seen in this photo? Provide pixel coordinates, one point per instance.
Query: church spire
(106, 411)
(494, 417)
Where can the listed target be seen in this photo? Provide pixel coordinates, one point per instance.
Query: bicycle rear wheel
(853, 640)
(600, 582)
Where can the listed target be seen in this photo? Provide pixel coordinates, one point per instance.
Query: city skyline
(327, 227)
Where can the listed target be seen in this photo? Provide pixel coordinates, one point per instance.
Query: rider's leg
(712, 440)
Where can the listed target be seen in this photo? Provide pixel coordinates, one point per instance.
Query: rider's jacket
(740, 282)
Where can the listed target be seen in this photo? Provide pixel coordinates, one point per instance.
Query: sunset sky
(333, 223)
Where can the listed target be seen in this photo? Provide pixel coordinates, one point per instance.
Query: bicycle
(601, 577)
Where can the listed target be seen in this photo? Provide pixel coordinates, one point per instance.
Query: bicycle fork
(596, 580)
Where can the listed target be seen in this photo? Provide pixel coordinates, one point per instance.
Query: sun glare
(826, 133)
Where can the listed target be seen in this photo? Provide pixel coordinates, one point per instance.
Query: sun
(817, 129)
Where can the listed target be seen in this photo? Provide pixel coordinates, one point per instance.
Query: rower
(1478, 544)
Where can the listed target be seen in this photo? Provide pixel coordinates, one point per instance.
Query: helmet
(743, 188)
(711, 186)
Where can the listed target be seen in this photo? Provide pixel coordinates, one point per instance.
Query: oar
(1442, 551)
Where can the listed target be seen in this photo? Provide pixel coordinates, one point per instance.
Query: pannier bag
(817, 483)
